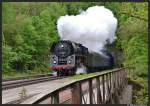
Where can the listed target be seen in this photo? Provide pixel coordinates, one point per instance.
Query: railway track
(27, 77)
(23, 81)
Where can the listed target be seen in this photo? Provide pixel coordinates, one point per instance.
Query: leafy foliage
(29, 29)
(28, 35)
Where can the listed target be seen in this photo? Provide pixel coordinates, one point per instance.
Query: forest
(29, 29)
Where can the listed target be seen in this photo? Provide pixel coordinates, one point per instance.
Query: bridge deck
(35, 91)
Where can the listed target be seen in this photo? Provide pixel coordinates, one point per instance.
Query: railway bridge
(106, 87)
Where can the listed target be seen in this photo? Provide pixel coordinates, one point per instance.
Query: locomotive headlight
(54, 62)
(62, 45)
(69, 61)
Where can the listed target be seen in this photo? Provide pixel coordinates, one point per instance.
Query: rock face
(126, 96)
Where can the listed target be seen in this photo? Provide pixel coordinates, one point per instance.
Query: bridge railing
(99, 89)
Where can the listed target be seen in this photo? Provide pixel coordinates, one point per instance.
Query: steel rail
(25, 77)
(23, 82)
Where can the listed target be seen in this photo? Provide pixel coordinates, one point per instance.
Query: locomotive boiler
(67, 56)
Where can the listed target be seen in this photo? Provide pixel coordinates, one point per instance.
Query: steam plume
(93, 28)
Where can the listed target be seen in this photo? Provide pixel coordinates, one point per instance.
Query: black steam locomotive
(67, 56)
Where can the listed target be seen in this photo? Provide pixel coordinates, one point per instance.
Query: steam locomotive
(67, 56)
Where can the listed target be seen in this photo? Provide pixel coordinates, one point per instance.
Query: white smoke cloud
(81, 70)
(91, 27)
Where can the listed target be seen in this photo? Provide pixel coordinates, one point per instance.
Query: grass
(78, 77)
(81, 76)
(15, 74)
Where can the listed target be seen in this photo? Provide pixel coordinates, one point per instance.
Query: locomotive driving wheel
(60, 73)
(71, 72)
